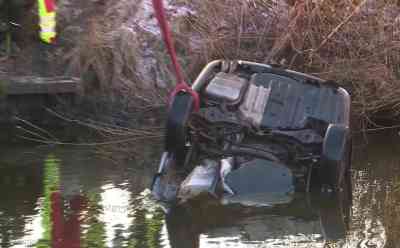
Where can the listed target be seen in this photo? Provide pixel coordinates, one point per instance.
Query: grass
(356, 43)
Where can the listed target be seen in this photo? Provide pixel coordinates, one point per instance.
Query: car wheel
(335, 150)
(336, 207)
(177, 127)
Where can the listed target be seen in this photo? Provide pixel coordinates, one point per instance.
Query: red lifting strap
(50, 5)
(166, 33)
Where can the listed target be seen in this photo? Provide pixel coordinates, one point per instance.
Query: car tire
(177, 126)
(334, 157)
(336, 206)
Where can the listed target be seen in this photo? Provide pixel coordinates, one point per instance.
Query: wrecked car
(261, 136)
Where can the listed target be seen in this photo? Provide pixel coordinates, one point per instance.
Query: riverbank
(116, 48)
(117, 52)
(355, 43)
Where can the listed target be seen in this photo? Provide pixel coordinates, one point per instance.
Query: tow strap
(181, 85)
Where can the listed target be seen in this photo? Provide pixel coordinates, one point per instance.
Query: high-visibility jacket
(47, 20)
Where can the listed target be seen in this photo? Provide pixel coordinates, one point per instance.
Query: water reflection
(20, 188)
(376, 168)
(95, 233)
(67, 198)
(294, 225)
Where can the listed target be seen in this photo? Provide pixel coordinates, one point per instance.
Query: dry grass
(108, 57)
(229, 29)
(356, 43)
(117, 55)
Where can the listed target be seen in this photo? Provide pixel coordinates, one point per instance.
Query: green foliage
(154, 225)
(96, 234)
(138, 230)
(51, 184)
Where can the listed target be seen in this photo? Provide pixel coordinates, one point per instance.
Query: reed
(356, 43)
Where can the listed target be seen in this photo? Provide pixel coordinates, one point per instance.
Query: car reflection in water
(114, 210)
(73, 220)
(308, 220)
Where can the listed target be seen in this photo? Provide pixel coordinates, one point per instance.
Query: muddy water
(64, 197)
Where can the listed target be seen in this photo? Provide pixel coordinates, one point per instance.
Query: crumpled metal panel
(228, 87)
(253, 106)
(290, 102)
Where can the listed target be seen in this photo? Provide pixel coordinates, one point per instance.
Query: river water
(67, 197)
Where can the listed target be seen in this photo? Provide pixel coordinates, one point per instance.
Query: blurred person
(11, 14)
